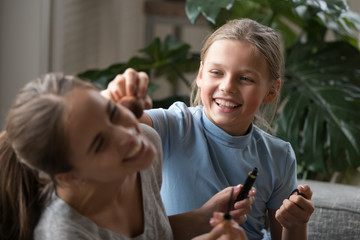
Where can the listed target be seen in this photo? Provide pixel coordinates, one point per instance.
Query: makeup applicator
(133, 104)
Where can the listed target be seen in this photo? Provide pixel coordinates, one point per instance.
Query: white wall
(94, 33)
(20, 54)
(26, 53)
(355, 6)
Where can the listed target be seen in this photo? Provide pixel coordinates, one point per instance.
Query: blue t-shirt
(200, 159)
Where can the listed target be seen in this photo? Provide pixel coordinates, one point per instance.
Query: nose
(228, 84)
(123, 135)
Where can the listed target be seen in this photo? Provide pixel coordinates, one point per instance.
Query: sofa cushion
(337, 211)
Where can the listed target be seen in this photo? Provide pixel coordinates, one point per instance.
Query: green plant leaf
(311, 146)
(101, 78)
(322, 106)
(343, 25)
(330, 7)
(241, 9)
(170, 58)
(208, 8)
(352, 18)
(331, 15)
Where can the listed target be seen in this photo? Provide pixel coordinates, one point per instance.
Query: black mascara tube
(247, 185)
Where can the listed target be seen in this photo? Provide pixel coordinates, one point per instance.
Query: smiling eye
(216, 72)
(246, 79)
(99, 145)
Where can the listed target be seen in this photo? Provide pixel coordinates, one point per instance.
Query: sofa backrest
(337, 211)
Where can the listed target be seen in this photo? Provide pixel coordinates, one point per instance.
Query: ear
(199, 75)
(273, 91)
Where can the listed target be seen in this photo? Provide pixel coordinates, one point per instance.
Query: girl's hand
(243, 207)
(129, 84)
(223, 230)
(295, 212)
(220, 203)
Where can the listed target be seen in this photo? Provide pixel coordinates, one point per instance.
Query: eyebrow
(111, 109)
(246, 70)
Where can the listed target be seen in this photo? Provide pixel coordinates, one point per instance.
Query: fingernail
(304, 187)
(217, 214)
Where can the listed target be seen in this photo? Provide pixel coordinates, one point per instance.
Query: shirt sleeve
(152, 135)
(286, 182)
(171, 124)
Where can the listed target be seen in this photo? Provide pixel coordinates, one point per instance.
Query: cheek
(253, 98)
(108, 165)
(254, 106)
(207, 87)
(206, 96)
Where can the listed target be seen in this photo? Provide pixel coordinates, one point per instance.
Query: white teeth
(224, 103)
(136, 149)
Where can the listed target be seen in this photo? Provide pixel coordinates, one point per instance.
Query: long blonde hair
(266, 41)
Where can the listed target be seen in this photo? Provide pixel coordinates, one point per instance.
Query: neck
(92, 198)
(115, 206)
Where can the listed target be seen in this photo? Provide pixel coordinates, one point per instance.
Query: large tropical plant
(320, 105)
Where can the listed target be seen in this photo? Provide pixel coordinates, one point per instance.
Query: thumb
(214, 234)
(306, 191)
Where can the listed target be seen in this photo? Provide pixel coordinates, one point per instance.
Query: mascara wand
(247, 185)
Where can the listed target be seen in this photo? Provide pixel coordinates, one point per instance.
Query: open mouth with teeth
(226, 104)
(135, 150)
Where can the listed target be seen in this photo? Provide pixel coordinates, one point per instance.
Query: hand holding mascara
(247, 185)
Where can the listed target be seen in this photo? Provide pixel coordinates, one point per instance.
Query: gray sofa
(337, 211)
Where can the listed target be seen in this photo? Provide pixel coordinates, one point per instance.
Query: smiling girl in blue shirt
(217, 141)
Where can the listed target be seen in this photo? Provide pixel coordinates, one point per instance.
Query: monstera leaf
(210, 9)
(321, 111)
(171, 58)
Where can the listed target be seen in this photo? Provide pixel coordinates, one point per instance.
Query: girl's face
(234, 81)
(105, 140)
